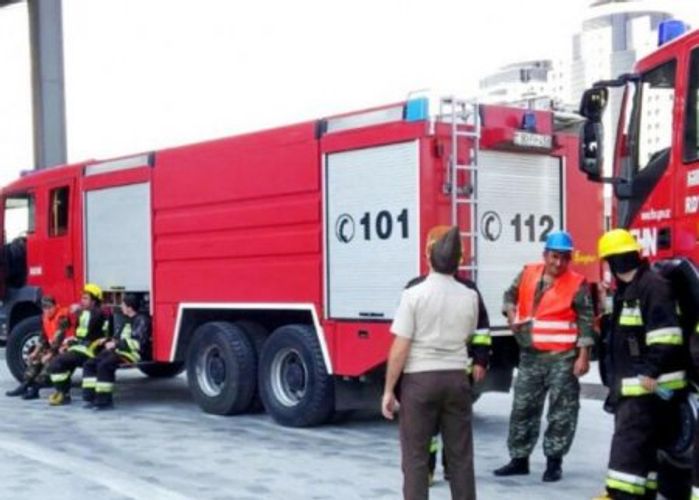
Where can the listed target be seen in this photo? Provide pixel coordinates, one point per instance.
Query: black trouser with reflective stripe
(62, 367)
(99, 375)
(633, 457)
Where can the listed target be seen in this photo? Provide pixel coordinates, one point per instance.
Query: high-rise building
(539, 84)
(614, 35)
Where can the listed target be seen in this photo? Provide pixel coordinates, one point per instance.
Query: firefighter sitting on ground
(56, 327)
(130, 346)
(91, 327)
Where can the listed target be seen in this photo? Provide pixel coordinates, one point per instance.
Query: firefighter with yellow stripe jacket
(130, 346)
(92, 326)
(645, 364)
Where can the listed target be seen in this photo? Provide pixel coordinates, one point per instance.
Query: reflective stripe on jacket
(646, 338)
(134, 339)
(92, 326)
(132, 346)
(554, 326)
(83, 324)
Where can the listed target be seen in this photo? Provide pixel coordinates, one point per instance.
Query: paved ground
(158, 445)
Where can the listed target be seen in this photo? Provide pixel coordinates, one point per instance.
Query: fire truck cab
(272, 262)
(655, 182)
(656, 155)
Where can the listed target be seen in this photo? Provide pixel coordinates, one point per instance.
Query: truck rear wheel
(23, 337)
(221, 368)
(162, 370)
(294, 385)
(257, 335)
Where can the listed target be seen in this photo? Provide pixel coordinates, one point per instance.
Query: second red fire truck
(655, 179)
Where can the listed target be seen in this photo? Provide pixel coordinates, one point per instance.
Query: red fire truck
(656, 184)
(272, 262)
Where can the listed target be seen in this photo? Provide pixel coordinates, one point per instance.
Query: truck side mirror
(593, 103)
(623, 189)
(591, 149)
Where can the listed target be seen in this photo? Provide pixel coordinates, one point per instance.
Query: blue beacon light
(670, 29)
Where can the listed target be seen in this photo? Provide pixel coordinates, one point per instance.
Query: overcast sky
(145, 74)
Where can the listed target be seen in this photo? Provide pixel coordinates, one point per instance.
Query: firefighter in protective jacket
(645, 363)
(131, 345)
(55, 328)
(92, 326)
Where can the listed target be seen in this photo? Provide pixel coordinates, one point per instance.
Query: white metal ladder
(464, 119)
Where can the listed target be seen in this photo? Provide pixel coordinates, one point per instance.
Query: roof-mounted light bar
(144, 160)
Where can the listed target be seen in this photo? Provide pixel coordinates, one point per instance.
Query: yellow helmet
(93, 290)
(615, 242)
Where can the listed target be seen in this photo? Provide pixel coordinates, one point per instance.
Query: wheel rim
(28, 346)
(211, 371)
(289, 377)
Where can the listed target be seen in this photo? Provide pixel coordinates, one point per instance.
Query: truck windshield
(644, 154)
(19, 216)
(650, 125)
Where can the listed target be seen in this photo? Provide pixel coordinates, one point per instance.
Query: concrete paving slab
(157, 444)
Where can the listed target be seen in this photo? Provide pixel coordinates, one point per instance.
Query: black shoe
(516, 467)
(103, 406)
(17, 391)
(553, 470)
(32, 392)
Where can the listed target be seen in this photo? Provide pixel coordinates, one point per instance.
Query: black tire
(221, 368)
(294, 385)
(162, 370)
(257, 335)
(23, 337)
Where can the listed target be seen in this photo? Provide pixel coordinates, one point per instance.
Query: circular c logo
(344, 228)
(491, 226)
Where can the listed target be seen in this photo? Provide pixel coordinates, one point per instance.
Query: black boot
(88, 395)
(553, 470)
(17, 391)
(32, 392)
(516, 467)
(103, 401)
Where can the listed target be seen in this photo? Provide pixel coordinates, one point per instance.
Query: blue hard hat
(559, 241)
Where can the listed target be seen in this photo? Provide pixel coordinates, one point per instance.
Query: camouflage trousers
(37, 372)
(539, 374)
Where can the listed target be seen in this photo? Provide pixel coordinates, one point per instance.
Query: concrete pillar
(48, 96)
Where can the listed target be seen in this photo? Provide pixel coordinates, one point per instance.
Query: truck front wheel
(22, 339)
(294, 385)
(221, 368)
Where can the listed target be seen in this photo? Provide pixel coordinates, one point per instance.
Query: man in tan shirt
(432, 325)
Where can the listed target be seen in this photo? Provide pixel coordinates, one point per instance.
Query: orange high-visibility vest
(51, 325)
(554, 326)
